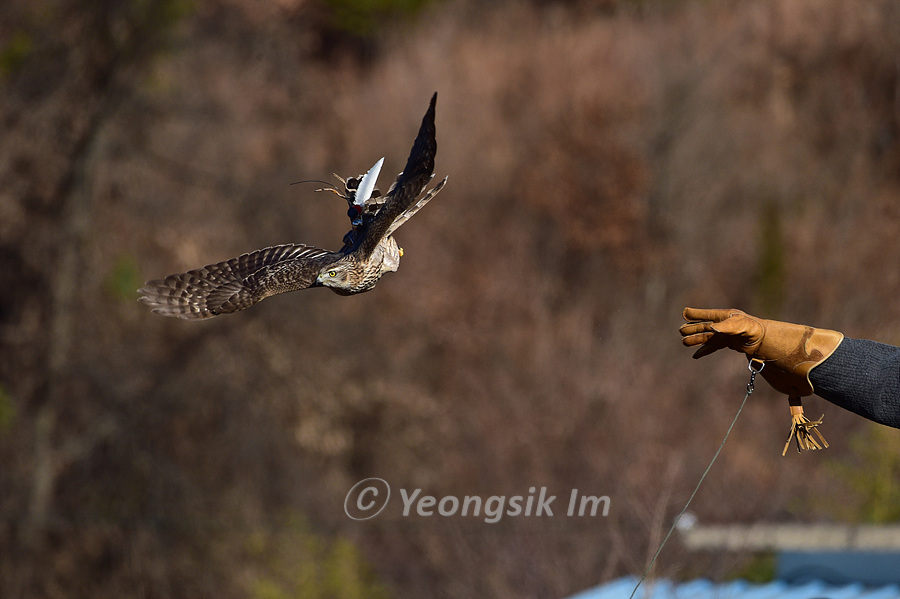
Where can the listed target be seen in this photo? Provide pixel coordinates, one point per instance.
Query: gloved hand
(789, 351)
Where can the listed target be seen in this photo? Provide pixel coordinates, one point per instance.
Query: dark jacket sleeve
(863, 377)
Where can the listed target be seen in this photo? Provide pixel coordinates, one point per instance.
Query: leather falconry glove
(788, 353)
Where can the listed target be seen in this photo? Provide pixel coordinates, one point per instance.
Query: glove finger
(697, 338)
(707, 314)
(695, 328)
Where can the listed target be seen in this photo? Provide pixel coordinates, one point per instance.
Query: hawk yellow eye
(332, 273)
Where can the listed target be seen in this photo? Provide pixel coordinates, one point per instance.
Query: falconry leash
(755, 367)
(802, 429)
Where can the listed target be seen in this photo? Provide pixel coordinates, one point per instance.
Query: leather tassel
(802, 429)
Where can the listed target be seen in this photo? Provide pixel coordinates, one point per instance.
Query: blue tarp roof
(621, 588)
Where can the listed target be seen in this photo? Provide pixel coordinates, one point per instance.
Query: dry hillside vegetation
(609, 164)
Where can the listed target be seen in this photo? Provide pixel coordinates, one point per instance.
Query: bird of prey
(369, 250)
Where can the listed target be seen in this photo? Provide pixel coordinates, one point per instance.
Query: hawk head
(342, 275)
(350, 275)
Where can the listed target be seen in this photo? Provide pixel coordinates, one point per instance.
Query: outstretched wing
(410, 183)
(238, 283)
(408, 213)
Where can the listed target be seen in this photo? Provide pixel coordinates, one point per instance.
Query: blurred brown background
(610, 162)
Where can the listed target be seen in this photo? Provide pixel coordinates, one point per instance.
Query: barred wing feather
(238, 283)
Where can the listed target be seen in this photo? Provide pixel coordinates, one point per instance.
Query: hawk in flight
(369, 248)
